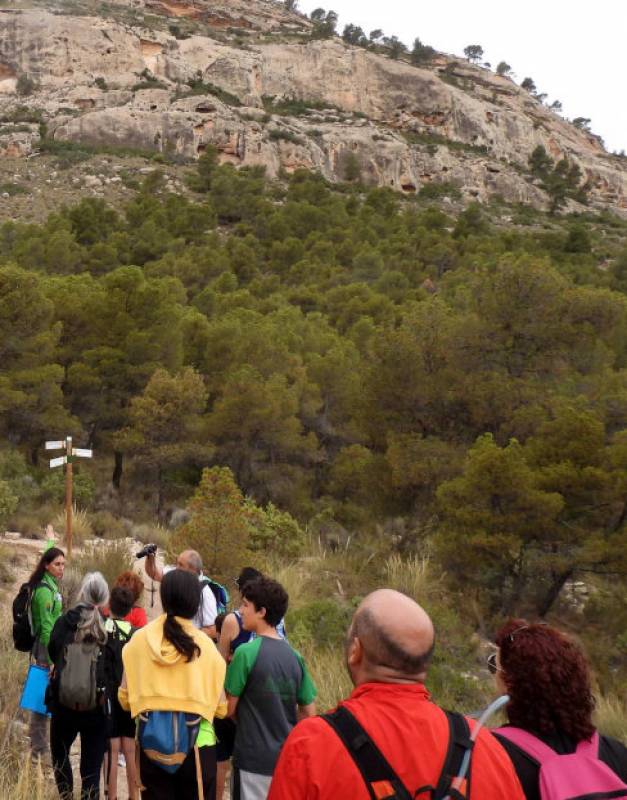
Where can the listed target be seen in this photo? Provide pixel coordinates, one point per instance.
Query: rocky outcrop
(107, 81)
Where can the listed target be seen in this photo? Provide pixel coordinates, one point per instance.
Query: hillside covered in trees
(388, 373)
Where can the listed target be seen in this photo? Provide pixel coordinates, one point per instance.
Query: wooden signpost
(70, 454)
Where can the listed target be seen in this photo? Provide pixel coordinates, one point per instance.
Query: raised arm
(153, 570)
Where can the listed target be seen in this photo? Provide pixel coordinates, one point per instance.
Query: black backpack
(23, 634)
(113, 666)
(381, 781)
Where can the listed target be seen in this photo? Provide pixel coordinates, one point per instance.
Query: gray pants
(39, 725)
(249, 785)
(38, 732)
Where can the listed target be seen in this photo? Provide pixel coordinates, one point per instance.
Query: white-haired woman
(75, 697)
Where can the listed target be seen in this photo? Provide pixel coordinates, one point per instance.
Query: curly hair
(269, 594)
(547, 678)
(131, 580)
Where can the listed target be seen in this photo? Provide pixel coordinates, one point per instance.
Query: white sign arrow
(78, 451)
(54, 445)
(57, 462)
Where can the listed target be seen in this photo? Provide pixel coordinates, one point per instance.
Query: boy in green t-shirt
(268, 687)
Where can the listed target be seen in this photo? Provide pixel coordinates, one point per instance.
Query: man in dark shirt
(268, 688)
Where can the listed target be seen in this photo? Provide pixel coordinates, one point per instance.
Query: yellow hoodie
(158, 678)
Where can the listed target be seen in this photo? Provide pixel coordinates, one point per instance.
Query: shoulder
(230, 624)
(310, 732)
(43, 590)
(614, 753)
(493, 768)
(248, 651)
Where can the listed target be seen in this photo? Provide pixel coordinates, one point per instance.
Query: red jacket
(410, 731)
(137, 617)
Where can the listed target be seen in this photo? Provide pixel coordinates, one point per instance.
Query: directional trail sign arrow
(79, 451)
(57, 462)
(54, 445)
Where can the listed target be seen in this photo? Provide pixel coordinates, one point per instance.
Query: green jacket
(45, 608)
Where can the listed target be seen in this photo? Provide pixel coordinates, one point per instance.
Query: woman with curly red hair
(547, 678)
(131, 580)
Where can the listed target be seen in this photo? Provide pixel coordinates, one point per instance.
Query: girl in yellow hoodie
(170, 665)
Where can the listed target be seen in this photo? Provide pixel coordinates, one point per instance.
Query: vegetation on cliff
(382, 370)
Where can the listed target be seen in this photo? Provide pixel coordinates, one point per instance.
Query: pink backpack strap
(589, 747)
(527, 742)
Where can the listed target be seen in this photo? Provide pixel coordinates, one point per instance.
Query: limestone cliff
(123, 77)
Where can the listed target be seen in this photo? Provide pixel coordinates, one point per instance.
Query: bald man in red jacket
(389, 645)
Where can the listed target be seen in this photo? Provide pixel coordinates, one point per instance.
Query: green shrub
(7, 574)
(197, 86)
(273, 530)
(12, 189)
(435, 191)
(8, 501)
(106, 525)
(322, 622)
(23, 114)
(83, 488)
(292, 107)
(281, 134)
(25, 85)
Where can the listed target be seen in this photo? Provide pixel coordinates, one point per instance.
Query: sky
(574, 51)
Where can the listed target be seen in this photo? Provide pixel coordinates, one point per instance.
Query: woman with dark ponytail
(170, 665)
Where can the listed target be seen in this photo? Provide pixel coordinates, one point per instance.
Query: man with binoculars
(190, 561)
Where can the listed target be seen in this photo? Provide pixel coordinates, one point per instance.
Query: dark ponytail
(47, 558)
(180, 597)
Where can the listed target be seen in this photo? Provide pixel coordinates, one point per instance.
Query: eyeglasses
(492, 665)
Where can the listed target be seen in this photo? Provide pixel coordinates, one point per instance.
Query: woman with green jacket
(46, 608)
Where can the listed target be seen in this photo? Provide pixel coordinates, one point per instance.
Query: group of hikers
(197, 688)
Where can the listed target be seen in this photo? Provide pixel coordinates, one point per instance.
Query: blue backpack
(168, 737)
(220, 593)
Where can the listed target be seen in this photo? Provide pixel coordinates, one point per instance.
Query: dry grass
(412, 576)
(18, 779)
(611, 716)
(147, 533)
(108, 557)
(81, 526)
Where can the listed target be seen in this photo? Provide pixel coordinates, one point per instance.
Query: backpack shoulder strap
(370, 761)
(459, 742)
(589, 747)
(41, 585)
(528, 743)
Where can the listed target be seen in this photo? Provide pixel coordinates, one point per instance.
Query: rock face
(125, 80)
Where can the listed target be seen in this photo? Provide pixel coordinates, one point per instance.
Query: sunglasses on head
(492, 665)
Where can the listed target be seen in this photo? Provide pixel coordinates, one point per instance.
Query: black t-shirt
(611, 752)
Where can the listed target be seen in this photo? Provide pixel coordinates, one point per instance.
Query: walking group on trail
(199, 686)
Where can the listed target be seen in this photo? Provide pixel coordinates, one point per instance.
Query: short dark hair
(219, 621)
(120, 601)
(247, 574)
(382, 650)
(267, 593)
